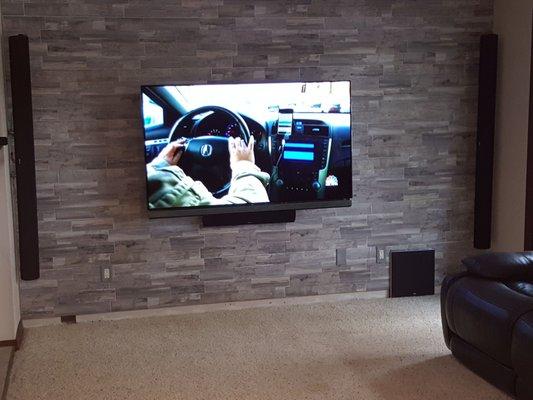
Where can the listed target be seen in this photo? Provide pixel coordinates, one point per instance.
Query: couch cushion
(483, 313)
(518, 266)
(524, 288)
(522, 351)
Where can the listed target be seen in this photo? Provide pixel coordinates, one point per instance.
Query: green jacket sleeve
(247, 184)
(169, 186)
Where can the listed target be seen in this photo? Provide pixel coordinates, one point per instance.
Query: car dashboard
(309, 163)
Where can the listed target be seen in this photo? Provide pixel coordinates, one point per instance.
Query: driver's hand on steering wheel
(239, 151)
(172, 152)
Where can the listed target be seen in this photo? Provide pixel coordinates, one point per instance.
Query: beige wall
(9, 297)
(512, 21)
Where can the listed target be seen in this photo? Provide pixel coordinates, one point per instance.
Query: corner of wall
(513, 25)
(9, 290)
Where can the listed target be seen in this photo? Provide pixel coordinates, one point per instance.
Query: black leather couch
(487, 319)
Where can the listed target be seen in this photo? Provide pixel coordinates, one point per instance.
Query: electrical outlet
(381, 255)
(106, 274)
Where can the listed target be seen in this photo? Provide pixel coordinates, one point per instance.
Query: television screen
(226, 147)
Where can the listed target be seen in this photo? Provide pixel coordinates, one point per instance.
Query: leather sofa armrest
(446, 284)
(518, 266)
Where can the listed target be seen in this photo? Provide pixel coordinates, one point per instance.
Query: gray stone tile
(413, 68)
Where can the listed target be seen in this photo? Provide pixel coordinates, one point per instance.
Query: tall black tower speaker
(528, 232)
(488, 68)
(19, 59)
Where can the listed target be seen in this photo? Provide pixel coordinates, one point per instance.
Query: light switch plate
(382, 255)
(106, 273)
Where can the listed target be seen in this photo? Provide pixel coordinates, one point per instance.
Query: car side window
(153, 113)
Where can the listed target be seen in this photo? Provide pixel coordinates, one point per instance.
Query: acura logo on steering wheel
(206, 150)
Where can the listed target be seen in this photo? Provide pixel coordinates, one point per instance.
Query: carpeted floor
(367, 349)
(5, 358)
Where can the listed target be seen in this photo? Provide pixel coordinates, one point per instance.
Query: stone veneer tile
(413, 68)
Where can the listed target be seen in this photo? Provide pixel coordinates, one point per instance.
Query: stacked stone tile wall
(413, 66)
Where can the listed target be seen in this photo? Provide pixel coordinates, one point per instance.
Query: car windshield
(309, 97)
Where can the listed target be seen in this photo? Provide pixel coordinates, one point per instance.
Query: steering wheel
(206, 158)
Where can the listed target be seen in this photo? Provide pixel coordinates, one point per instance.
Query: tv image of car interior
(237, 144)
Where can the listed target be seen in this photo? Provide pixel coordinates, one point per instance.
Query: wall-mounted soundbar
(264, 217)
(28, 239)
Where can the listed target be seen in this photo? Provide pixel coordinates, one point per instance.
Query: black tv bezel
(242, 208)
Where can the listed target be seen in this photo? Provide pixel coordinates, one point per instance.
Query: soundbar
(264, 217)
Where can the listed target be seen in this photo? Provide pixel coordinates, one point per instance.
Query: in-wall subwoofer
(488, 67)
(412, 273)
(28, 239)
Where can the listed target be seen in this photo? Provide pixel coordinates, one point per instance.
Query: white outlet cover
(107, 273)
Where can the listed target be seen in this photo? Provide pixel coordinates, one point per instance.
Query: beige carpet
(367, 349)
(5, 358)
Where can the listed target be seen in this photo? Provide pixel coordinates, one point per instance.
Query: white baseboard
(202, 308)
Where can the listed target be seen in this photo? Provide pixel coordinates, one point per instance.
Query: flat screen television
(225, 148)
